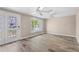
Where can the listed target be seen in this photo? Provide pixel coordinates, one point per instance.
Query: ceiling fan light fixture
(42, 11)
(41, 8)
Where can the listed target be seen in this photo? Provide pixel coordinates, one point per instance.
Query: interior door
(13, 27)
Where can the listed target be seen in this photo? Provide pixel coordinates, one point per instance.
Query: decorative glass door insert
(12, 26)
(12, 22)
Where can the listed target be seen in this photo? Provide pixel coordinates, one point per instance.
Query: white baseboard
(62, 34)
(32, 35)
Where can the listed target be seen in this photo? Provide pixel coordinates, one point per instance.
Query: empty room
(39, 29)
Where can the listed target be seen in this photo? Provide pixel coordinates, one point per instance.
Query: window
(37, 25)
(12, 22)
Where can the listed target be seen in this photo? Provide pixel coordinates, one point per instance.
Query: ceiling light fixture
(43, 11)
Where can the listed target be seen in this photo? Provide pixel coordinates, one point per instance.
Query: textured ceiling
(58, 11)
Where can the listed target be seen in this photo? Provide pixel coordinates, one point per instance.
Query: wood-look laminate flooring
(43, 43)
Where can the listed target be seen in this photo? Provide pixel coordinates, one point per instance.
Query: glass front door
(9, 27)
(13, 27)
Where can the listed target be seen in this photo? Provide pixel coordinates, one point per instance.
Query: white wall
(77, 27)
(26, 27)
(62, 25)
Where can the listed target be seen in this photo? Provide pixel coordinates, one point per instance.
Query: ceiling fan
(45, 11)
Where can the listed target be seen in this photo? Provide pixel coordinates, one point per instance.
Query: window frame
(40, 26)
